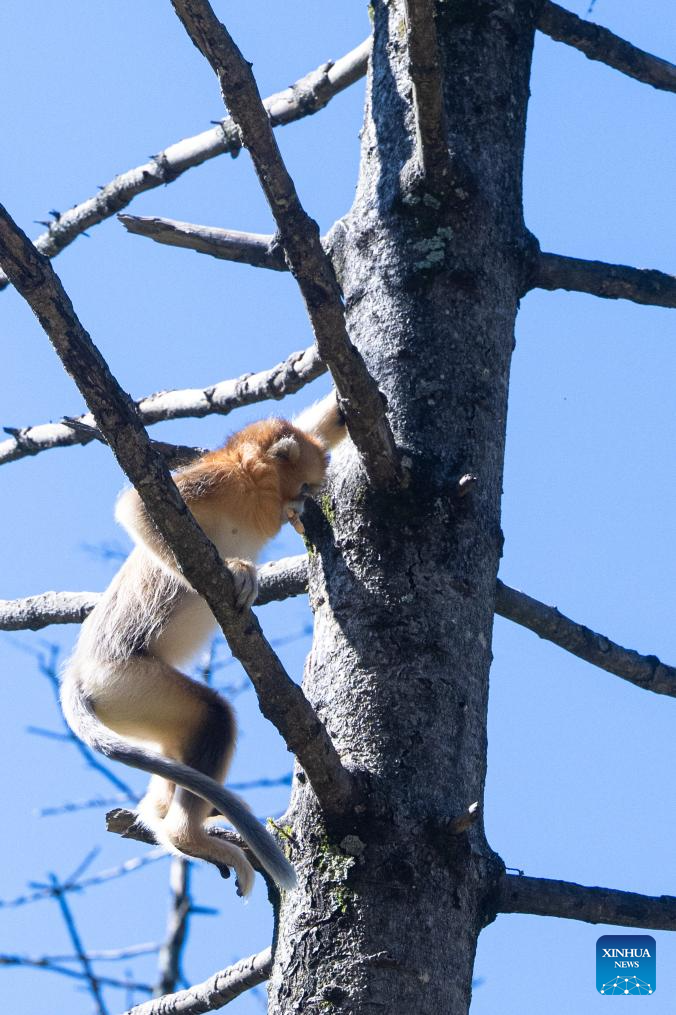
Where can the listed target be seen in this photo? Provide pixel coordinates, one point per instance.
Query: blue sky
(580, 763)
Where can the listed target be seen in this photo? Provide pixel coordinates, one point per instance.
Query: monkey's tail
(85, 723)
(324, 420)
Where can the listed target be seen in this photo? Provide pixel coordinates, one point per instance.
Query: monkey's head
(300, 458)
(297, 459)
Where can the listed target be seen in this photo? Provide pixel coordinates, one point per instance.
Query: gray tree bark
(402, 584)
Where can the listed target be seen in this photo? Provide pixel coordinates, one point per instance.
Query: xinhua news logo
(625, 964)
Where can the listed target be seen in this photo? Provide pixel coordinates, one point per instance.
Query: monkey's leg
(184, 830)
(156, 800)
(209, 750)
(148, 700)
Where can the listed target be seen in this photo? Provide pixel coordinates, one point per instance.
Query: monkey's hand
(245, 580)
(291, 513)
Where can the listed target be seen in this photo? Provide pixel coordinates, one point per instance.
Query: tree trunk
(392, 897)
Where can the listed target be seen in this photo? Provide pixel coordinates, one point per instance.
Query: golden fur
(122, 690)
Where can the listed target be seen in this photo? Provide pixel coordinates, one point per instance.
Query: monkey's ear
(286, 448)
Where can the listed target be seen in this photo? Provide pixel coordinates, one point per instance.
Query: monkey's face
(303, 469)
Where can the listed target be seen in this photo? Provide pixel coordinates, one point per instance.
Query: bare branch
(177, 925)
(546, 621)
(277, 580)
(87, 969)
(74, 806)
(36, 612)
(287, 377)
(281, 579)
(52, 965)
(359, 395)
(307, 96)
(227, 244)
(463, 822)
(424, 64)
(280, 699)
(214, 993)
(544, 897)
(598, 43)
(128, 867)
(611, 281)
(121, 821)
(113, 954)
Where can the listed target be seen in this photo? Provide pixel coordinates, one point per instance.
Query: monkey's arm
(194, 484)
(131, 514)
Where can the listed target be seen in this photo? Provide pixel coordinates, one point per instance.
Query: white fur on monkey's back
(122, 691)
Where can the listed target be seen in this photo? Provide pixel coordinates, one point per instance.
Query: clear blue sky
(580, 779)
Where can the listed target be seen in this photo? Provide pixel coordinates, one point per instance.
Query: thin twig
(88, 972)
(281, 700)
(598, 43)
(611, 281)
(424, 63)
(255, 249)
(306, 96)
(74, 806)
(222, 398)
(113, 954)
(128, 867)
(545, 897)
(214, 993)
(52, 965)
(360, 398)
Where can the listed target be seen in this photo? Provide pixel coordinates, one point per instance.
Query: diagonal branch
(307, 96)
(359, 395)
(546, 621)
(280, 700)
(545, 897)
(424, 65)
(297, 370)
(227, 244)
(87, 968)
(281, 579)
(611, 281)
(214, 993)
(598, 43)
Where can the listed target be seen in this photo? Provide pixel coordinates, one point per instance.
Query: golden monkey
(123, 693)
